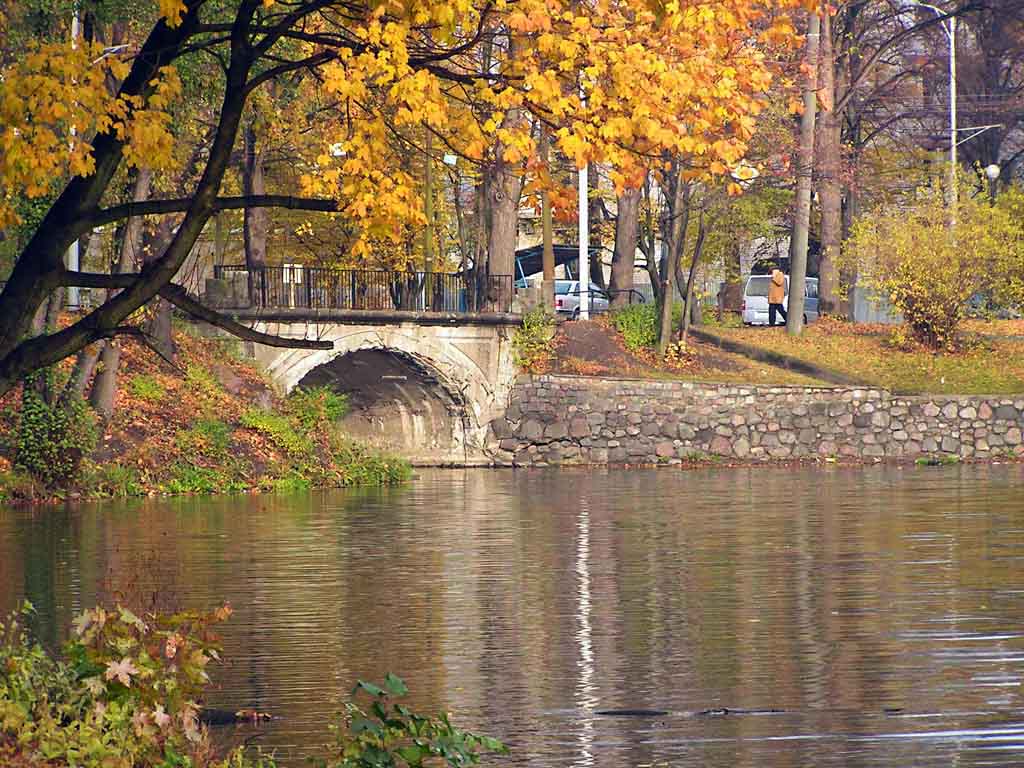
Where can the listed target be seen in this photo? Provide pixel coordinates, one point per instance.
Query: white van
(755, 300)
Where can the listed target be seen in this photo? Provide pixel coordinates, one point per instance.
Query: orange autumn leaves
(623, 84)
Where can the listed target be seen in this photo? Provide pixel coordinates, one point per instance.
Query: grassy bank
(988, 363)
(623, 345)
(208, 425)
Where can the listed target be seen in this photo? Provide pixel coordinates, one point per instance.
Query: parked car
(567, 298)
(755, 299)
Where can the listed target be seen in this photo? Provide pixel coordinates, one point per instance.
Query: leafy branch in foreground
(390, 735)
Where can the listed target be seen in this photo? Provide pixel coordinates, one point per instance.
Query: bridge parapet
(296, 286)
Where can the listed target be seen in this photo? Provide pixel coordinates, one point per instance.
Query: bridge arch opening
(397, 403)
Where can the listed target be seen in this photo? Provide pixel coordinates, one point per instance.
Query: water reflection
(870, 617)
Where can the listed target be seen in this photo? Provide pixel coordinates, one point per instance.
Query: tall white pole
(953, 192)
(584, 235)
(72, 253)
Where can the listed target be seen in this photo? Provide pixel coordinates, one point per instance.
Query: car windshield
(758, 286)
(563, 287)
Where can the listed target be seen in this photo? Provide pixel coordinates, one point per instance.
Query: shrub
(122, 695)
(531, 343)
(52, 439)
(930, 261)
(390, 734)
(146, 387)
(638, 325)
(311, 407)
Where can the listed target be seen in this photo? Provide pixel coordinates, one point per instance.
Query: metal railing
(302, 287)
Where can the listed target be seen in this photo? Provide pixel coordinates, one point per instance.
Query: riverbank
(208, 424)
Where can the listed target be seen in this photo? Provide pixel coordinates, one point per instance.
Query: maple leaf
(122, 670)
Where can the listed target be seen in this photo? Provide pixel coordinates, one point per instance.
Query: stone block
(721, 446)
(556, 431)
(665, 450)
(579, 427)
(530, 429)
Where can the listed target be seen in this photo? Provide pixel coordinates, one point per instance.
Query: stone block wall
(577, 420)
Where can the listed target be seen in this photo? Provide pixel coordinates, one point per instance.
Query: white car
(567, 298)
(755, 300)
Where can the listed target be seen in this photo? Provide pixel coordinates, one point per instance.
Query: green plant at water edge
(531, 343)
(389, 735)
(315, 406)
(16, 485)
(146, 388)
(111, 481)
(360, 466)
(122, 695)
(52, 439)
(189, 478)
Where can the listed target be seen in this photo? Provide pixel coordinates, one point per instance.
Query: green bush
(531, 343)
(52, 439)
(389, 735)
(309, 408)
(207, 437)
(638, 324)
(146, 388)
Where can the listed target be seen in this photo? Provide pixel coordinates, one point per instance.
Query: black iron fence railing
(302, 287)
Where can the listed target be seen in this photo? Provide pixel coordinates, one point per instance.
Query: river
(867, 616)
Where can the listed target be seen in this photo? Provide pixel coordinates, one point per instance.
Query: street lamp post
(949, 27)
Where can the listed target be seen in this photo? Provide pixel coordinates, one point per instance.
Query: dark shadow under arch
(397, 403)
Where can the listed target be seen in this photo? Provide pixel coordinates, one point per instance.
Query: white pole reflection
(586, 701)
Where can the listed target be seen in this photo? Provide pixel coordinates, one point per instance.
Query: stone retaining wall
(577, 420)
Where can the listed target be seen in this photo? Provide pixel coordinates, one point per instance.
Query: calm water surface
(877, 613)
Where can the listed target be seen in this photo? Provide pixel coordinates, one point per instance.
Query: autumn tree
(469, 72)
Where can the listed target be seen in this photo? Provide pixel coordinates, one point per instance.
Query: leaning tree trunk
(104, 387)
(828, 162)
(627, 223)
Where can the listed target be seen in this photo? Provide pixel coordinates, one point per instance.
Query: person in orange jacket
(776, 295)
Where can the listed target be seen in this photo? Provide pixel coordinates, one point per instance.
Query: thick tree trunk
(627, 223)
(502, 189)
(85, 366)
(104, 386)
(255, 225)
(828, 167)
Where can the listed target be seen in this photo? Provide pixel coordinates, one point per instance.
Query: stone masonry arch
(422, 373)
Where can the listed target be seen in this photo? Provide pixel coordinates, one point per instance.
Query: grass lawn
(872, 353)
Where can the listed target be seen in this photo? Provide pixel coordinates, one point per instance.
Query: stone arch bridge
(425, 385)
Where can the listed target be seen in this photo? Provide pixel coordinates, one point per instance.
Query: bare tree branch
(176, 295)
(181, 204)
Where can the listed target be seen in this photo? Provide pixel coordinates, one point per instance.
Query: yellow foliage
(930, 260)
(55, 96)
